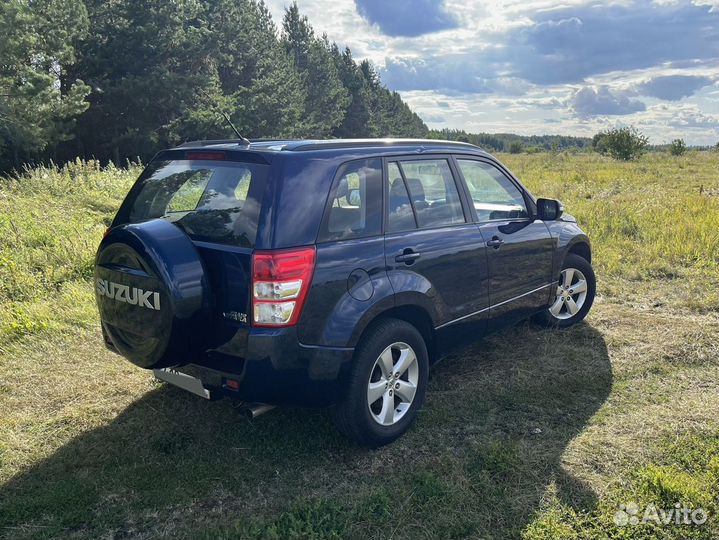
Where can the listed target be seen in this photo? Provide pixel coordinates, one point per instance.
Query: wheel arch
(414, 315)
(582, 249)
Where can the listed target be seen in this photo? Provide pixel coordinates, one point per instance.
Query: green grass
(529, 433)
(654, 218)
(50, 224)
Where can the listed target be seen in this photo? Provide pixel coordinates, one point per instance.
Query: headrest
(342, 189)
(416, 189)
(396, 185)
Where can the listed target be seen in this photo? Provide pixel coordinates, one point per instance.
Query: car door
(434, 253)
(520, 248)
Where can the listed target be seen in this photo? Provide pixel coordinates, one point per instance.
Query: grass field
(531, 433)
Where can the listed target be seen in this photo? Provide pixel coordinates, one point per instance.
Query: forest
(118, 80)
(510, 142)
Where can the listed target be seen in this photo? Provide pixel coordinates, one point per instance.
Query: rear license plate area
(184, 381)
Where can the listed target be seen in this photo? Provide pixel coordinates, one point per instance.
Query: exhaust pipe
(253, 410)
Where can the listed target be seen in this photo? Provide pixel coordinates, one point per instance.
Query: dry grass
(529, 433)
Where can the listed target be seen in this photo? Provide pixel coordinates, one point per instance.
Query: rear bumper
(272, 366)
(315, 377)
(316, 380)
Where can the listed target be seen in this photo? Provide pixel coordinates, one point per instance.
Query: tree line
(121, 79)
(622, 143)
(510, 142)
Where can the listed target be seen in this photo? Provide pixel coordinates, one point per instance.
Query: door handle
(408, 256)
(495, 242)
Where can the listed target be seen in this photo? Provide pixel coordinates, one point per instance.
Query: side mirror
(353, 198)
(549, 209)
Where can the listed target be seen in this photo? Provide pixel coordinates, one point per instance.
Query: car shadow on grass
(484, 456)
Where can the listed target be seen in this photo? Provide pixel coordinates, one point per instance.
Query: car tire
(364, 414)
(576, 287)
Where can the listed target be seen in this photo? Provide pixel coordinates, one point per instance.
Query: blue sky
(535, 66)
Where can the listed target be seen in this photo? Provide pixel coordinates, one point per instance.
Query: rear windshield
(212, 201)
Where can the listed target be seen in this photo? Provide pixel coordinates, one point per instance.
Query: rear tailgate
(230, 271)
(215, 197)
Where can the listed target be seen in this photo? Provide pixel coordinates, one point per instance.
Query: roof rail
(371, 143)
(211, 142)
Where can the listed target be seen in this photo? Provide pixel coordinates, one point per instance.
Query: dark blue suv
(330, 273)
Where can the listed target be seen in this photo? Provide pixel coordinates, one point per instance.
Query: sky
(537, 67)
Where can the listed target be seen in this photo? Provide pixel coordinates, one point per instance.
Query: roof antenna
(244, 141)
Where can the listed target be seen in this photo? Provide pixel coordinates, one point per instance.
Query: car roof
(340, 146)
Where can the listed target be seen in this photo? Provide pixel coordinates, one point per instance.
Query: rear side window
(355, 205)
(212, 201)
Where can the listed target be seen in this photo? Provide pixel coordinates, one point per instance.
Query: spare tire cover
(153, 293)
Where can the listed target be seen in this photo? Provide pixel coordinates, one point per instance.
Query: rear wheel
(574, 294)
(387, 384)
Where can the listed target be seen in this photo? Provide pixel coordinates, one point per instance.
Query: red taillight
(211, 156)
(280, 281)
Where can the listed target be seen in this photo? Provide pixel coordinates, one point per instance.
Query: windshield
(212, 201)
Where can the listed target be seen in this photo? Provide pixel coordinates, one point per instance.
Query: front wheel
(386, 386)
(574, 294)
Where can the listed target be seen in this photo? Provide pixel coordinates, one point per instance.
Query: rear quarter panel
(349, 288)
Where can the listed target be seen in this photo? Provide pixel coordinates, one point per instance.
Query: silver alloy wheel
(392, 384)
(571, 294)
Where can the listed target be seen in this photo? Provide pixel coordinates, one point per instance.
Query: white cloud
(534, 66)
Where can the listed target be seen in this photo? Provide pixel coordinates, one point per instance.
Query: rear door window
(432, 191)
(212, 201)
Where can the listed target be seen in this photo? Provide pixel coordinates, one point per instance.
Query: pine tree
(372, 90)
(257, 85)
(147, 61)
(38, 100)
(389, 115)
(356, 122)
(157, 73)
(326, 98)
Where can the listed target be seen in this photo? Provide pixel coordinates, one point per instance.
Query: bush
(516, 147)
(599, 143)
(677, 147)
(624, 143)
